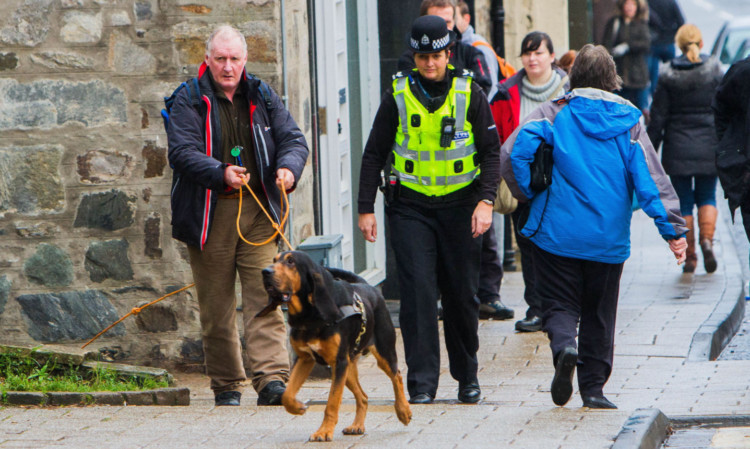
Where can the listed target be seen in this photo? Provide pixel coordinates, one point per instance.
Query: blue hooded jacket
(602, 157)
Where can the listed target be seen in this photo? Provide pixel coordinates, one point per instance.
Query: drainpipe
(497, 16)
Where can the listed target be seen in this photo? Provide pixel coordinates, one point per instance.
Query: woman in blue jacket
(580, 224)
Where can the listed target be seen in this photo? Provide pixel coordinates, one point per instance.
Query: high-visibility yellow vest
(418, 160)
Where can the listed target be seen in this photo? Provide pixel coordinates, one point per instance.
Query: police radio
(447, 131)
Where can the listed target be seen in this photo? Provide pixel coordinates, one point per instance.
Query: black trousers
(491, 270)
(530, 295)
(745, 212)
(573, 290)
(436, 256)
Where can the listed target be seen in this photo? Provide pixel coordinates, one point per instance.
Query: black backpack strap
(265, 90)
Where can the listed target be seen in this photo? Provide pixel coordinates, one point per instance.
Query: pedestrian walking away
(683, 123)
(436, 129)
(731, 106)
(538, 82)
(627, 38)
(237, 132)
(664, 19)
(579, 225)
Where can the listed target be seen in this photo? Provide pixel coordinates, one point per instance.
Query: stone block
(261, 42)
(157, 318)
(152, 235)
(29, 24)
(142, 10)
(75, 315)
(5, 285)
(49, 266)
(46, 104)
(81, 28)
(22, 190)
(62, 60)
(98, 166)
(108, 260)
(8, 61)
(138, 397)
(172, 396)
(107, 398)
(107, 210)
(37, 230)
(65, 398)
(142, 372)
(128, 57)
(156, 159)
(25, 398)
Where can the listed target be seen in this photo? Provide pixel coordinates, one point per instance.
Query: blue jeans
(703, 193)
(659, 53)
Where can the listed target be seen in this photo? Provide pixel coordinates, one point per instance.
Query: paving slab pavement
(659, 312)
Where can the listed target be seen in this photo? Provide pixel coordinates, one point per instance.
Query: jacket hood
(601, 115)
(690, 75)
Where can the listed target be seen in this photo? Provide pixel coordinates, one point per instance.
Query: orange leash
(278, 228)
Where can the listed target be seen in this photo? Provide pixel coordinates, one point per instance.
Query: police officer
(434, 131)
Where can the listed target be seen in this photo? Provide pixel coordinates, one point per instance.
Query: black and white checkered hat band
(442, 42)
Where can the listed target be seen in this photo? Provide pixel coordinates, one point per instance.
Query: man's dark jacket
(732, 117)
(194, 137)
(664, 18)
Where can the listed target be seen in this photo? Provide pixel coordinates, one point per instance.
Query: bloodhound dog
(335, 317)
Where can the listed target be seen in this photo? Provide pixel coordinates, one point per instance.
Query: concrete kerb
(644, 429)
(714, 334)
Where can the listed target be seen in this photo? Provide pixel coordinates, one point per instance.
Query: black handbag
(541, 168)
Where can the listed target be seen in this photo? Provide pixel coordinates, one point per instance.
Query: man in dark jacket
(239, 132)
(732, 120)
(664, 19)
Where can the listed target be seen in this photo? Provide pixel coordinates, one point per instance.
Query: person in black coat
(682, 121)
(730, 105)
(664, 19)
(628, 40)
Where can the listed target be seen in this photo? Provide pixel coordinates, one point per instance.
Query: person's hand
(235, 176)
(620, 50)
(481, 219)
(369, 226)
(284, 177)
(679, 248)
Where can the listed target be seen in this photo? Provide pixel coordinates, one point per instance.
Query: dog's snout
(267, 272)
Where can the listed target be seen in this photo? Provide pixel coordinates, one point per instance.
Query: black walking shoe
(597, 402)
(230, 397)
(495, 310)
(421, 398)
(469, 393)
(533, 324)
(562, 383)
(271, 393)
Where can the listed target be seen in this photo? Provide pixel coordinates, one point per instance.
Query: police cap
(430, 34)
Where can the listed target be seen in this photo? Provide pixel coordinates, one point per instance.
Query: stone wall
(524, 16)
(84, 178)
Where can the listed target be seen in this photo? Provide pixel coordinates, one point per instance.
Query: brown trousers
(215, 269)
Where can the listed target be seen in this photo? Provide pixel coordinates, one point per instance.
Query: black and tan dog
(335, 317)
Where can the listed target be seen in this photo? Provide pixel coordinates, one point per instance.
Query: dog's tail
(346, 276)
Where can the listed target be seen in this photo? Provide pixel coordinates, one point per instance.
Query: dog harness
(357, 308)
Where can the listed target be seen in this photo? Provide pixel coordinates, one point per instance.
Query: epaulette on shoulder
(466, 73)
(398, 75)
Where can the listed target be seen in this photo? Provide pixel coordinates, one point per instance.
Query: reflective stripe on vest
(418, 160)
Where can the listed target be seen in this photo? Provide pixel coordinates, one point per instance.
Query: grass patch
(25, 372)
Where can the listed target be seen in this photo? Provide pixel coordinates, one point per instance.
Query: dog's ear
(322, 299)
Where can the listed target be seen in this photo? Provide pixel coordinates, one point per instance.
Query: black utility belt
(459, 195)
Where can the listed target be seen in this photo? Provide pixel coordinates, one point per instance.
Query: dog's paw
(404, 414)
(354, 430)
(323, 434)
(294, 406)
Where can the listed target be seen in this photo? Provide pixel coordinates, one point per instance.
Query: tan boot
(707, 224)
(691, 259)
